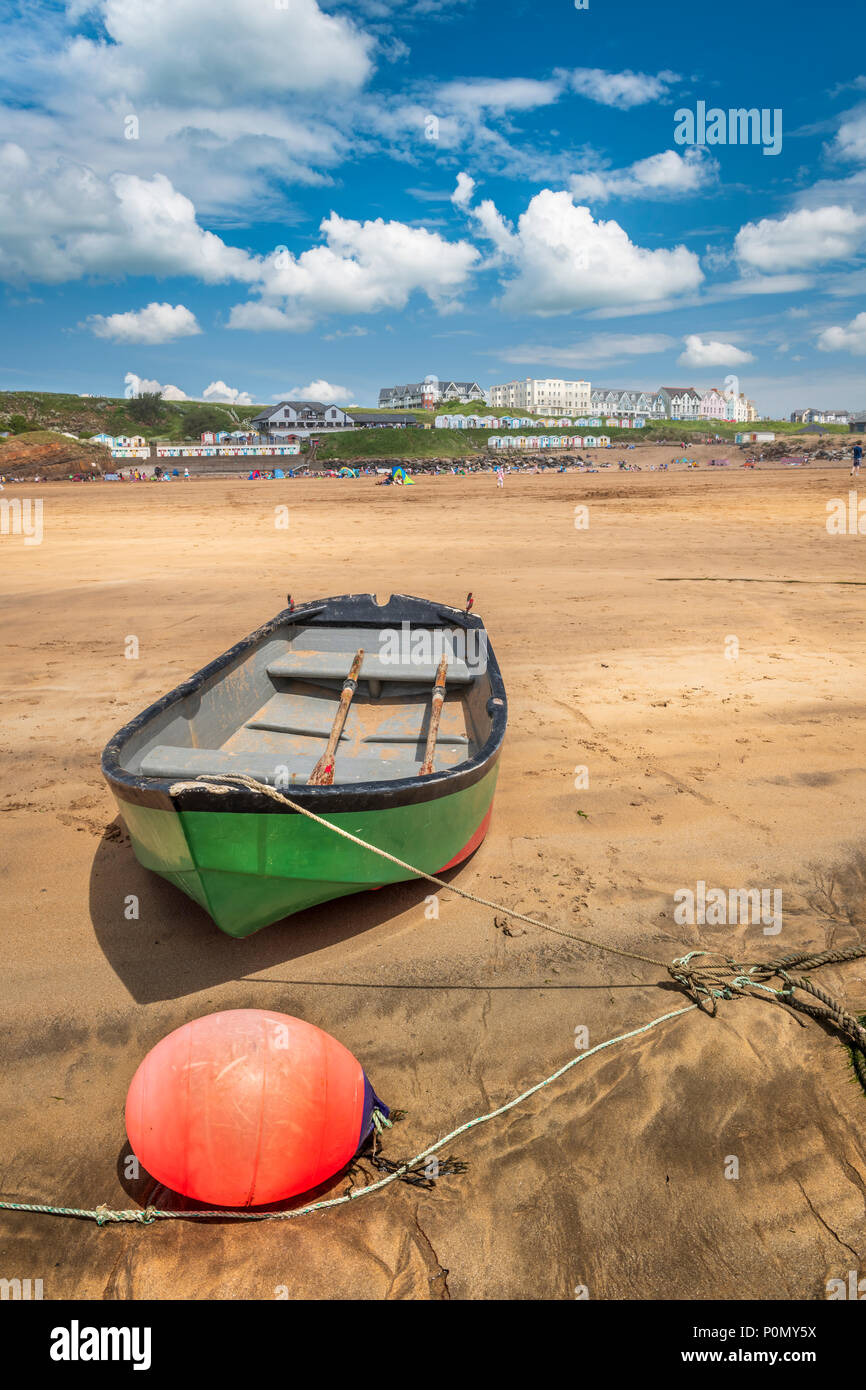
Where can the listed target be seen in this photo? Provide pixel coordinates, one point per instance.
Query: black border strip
(361, 609)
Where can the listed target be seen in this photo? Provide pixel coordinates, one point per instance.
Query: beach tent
(399, 475)
(347, 473)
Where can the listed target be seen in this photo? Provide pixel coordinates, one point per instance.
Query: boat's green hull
(248, 869)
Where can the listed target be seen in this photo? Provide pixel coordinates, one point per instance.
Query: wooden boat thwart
(284, 706)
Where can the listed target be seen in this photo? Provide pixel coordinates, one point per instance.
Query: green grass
(85, 415)
(408, 443)
(53, 437)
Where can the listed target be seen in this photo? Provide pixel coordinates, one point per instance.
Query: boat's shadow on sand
(172, 948)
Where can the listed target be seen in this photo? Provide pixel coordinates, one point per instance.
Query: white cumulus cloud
(660, 175)
(232, 50)
(560, 259)
(851, 338)
(155, 323)
(61, 222)
(800, 239)
(319, 390)
(462, 195)
(142, 385)
(218, 391)
(712, 353)
(850, 141)
(499, 94)
(621, 89)
(359, 268)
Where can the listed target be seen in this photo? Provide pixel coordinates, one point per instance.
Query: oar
(435, 715)
(322, 774)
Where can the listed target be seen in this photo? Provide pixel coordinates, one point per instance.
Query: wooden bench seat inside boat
(301, 714)
(188, 763)
(311, 717)
(334, 666)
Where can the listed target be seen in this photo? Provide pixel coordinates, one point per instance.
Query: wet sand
(746, 772)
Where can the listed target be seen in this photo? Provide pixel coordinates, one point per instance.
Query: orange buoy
(246, 1107)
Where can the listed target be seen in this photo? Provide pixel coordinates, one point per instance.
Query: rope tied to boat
(718, 977)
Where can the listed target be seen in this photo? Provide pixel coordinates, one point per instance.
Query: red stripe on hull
(471, 844)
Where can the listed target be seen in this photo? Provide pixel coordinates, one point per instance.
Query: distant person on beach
(858, 457)
(500, 478)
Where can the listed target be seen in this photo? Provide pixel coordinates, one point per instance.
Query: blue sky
(246, 199)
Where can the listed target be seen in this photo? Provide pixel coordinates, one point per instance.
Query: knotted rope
(720, 977)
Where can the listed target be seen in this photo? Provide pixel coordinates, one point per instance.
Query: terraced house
(681, 402)
(614, 401)
(714, 405)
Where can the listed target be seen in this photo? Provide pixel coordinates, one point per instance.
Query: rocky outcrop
(52, 456)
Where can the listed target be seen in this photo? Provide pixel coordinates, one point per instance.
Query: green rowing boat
(385, 719)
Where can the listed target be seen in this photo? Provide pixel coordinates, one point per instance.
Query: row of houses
(677, 403)
(227, 436)
(519, 422)
(548, 441)
(476, 421)
(581, 398)
(820, 417)
(209, 451)
(119, 441)
(424, 395)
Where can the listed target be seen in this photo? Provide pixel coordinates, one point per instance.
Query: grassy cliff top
(185, 420)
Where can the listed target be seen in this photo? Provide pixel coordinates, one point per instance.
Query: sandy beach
(698, 648)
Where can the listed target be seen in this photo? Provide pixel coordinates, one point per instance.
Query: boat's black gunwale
(153, 792)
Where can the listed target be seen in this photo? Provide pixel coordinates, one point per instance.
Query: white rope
(146, 1216)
